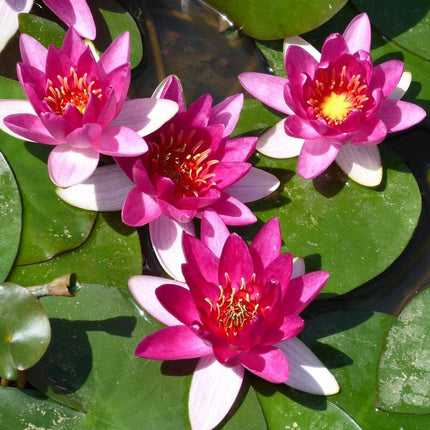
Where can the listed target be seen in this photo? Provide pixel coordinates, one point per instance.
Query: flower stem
(65, 286)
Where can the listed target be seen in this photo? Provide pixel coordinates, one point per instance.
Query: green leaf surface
(404, 375)
(276, 19)
(24, 330)
(339, 226)
(109, 256)
(44, 30)
(10, 218)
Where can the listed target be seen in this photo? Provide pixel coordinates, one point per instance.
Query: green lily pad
(109, 256)
(10, 218)
(44, 30)
(24, 330)
(404, 376)
(275, 19)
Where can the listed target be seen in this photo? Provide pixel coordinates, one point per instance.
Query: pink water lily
(192, 166)
(339, 105)
(239, 309)
(74, 13)
(79, 105)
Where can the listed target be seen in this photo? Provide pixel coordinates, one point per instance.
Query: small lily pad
(25, 331)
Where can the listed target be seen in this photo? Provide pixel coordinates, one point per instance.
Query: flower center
(72, 89)
(181, 158)
(235, 308)
(334, 96)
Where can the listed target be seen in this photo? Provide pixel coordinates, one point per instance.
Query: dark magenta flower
(239, 309)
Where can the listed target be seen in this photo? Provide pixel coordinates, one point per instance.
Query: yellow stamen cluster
(335, 96)
(73, 90)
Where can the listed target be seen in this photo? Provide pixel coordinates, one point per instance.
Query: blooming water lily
(192, 166)
(80, 106)
(75, 13)
(239, 309)
(339, 105)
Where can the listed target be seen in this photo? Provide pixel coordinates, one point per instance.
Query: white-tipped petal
(402, 86)
(361, 163)
(9, 10)
(275, 143)
(255, 185)
(142, 288)
(10, 107)
(307, 373)
(298, 267)
(145, 115)
(105, 190)
(213, 390)
(298, 41)
(166, 240)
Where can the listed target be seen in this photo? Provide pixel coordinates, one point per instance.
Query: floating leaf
(10, 218)
(110, 255)
(24, 330)
(275, 19)
(404, 375)
(45, 31)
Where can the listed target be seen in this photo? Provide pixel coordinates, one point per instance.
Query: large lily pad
(10, 218)
(24, 330)
(275, 19)
(404, 376)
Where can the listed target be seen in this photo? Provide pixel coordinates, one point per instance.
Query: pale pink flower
(239, 309)
(79, 105)
(339, 105)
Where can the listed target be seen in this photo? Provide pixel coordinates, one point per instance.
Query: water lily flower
(75, 13)
(239, 309)
(79, 105)
(339, 105)
(192, 166)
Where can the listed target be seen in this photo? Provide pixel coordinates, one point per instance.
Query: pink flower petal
(69, 166)
(298, 41)
(300, 128)
(358, 34)
(166, 240)
(302, 290)
(105, 190)
(142, 288)
(172, 343)
(227, 113)
(316, 156)
(9, 11)
(307, 373)
(145, 115)
(399, 115)
(179, 302)
(266, 245)
(170, 89)
(298, 62)
(213, 232)
(10, 107)
(238, 149)
(361, 163)
(213, 390)
(76, 14)
(232, 211)
(269, 89)
(120, 142)
(268, 362)
(139, 209)
(387, 76)
(371, 132)
(275, 143)
(32, 51)
(28, 127)
(255, 185)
